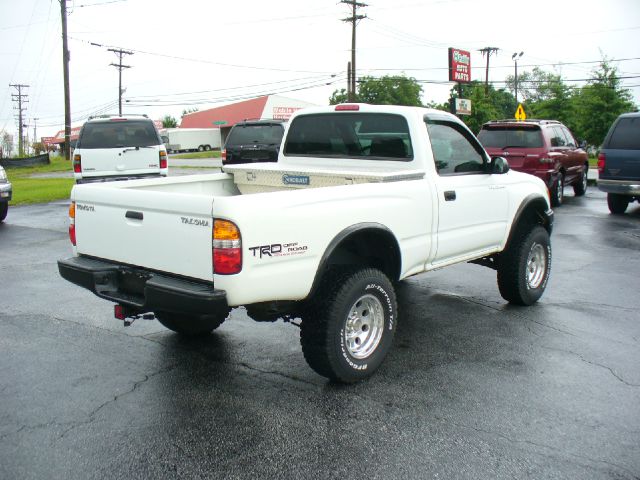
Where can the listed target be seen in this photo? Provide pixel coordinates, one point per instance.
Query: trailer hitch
(130, 314)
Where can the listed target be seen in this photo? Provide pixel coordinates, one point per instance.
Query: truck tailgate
(145, 228)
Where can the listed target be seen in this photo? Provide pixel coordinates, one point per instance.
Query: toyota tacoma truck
(361, 197)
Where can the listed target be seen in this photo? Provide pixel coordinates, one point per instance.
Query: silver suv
(119, 148)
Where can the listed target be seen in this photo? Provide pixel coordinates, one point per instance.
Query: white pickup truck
(361, 197)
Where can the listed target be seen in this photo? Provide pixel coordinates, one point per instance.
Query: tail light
(163, 159)
(223, 155)
(602, 163)
(77, 163)
(227, 248)
(72, 223)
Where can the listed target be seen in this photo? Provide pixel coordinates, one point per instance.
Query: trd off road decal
(278, 250)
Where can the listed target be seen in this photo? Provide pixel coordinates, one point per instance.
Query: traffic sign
(520, 115)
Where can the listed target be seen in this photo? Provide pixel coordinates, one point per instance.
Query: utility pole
(35, 131)
(20, 98)
(120, 66)
(488, 51)
(354, 20)
(515, 57)
(65, 70)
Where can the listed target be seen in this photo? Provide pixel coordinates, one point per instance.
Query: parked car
(619, 163)
(253, 141)
(5, 194)
(119, 148)
(544, 148)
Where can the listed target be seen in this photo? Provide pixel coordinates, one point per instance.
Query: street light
(515, 57)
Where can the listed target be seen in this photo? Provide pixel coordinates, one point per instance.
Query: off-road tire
(580, 188)
(524, 267)
(557, 192)
(348, 328)
(4, 208)
(617, 203)
(191, 325)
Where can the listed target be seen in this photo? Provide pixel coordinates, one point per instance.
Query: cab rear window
(366, 136)
(115, 134)
(253, 134)
(626, 135)
(505, 137)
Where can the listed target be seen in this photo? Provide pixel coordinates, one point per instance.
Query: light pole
(515, 57)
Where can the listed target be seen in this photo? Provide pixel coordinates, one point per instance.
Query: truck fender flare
(345, 235)
(533, 208)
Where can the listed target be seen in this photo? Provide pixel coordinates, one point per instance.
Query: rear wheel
(524, 267)
(580, 188)
(201, 148)
(207, 147)
(4, 208)
(349, 328)
(191, 325)
(617, 203)
(557, 194)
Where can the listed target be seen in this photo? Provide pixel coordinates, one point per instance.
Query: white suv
(118, 148)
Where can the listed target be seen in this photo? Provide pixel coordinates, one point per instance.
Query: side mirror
(499, 165)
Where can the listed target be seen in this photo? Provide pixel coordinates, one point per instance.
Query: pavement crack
(554, 449)
(595, 364)
(92, 415)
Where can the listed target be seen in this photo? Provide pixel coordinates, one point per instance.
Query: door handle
(134, 215)
(450, 195)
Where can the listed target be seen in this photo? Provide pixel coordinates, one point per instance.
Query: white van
(119, 148)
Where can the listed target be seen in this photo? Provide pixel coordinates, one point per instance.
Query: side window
(556, 137)
(453, 152)
(571, 142)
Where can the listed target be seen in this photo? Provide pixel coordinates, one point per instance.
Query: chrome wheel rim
(536, 265)
(364, 327)
(560, 191)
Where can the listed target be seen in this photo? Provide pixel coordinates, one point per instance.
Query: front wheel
(617, 203)
(524, 267)
(580, 188)
(191, 325)
(4, 208)
(348, 330)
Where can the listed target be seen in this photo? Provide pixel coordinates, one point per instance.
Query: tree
(38, 147)
(187, 111)
(545, 96)
(169, 122)
(386, 90)
(7, 143)
(600, 102)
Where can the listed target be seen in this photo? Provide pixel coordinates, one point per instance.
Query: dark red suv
(544, 148)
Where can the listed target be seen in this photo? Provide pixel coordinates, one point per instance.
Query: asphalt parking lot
(473, 388)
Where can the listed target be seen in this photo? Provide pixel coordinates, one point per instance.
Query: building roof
(227, 115)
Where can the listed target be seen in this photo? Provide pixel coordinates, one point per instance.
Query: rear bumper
(111, 178)
(143, 290)
(622, 187)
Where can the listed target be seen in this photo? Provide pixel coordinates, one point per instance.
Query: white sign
(463, 106)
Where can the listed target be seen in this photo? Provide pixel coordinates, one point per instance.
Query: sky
(205, 53)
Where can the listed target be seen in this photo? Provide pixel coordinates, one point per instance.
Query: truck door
(472, 203)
